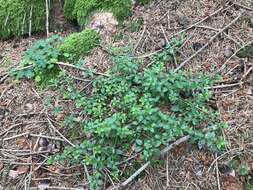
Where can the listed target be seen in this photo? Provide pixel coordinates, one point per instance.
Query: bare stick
(16, 136)
(208, 43)
(243, 7)
(79, 68)
(18, 124)
(46, 137)
(142, 34)
(247, 73)
(176, 143)
(59, 133)
(30, 21)
(10, 128)
(226, 85)
(47, 20)
(23, 23)
(163, 153)
(55, 187)
(135, 174)
(217, 174)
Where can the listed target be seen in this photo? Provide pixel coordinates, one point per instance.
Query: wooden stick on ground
(163, 153)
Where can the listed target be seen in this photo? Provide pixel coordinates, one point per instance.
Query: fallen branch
(81, 69)
(226, 85)
(162, 154)
(59, 133)
(19, 124)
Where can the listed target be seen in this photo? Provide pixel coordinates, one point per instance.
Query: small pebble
(199, 173)
(43, 142)
(161, 43)
(228, 52)
(28, 107)
(197, 45)
(250, 91)
(226, 170)
(183, 21)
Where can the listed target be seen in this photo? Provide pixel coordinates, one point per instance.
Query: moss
(80, 44)
(120, 8)
(83, 9)
(69, 6)
(14, 17)
(143, 2)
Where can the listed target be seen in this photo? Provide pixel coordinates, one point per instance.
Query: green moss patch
(69, 6)
(81, 10)
(15, 17)
(80, 44)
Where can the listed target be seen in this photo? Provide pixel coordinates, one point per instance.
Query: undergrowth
(134, 111)
(40, 61)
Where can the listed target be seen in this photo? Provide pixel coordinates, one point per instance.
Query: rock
(161, 43)
(43, 142)
(197, 45)
(226, 170)
(199, 173)
(228, 52)
(105, 23)
(44, 184)
(250, 91)
(28, 107)
(184, 21)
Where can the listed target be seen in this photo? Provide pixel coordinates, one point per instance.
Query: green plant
(15, 16)
(249, 186)
(79, 44)
(39, 61)
(244, 169)
(245, 52)
(137, 111)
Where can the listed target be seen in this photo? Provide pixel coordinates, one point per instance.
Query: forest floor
(215, 31)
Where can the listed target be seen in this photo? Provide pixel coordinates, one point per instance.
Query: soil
(24, 118)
